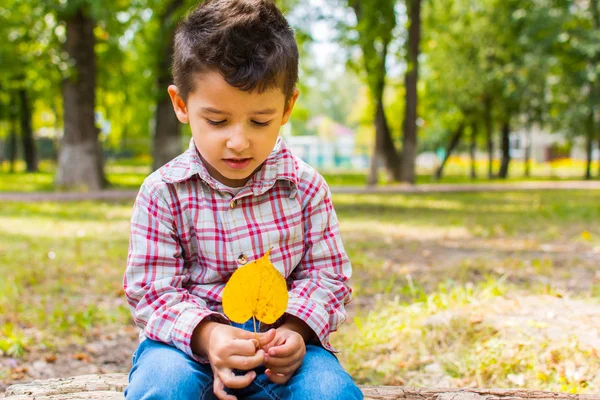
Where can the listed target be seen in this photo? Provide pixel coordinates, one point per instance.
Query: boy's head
(235, 66)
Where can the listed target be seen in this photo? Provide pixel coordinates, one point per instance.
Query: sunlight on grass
(507, 213)
(427, 340)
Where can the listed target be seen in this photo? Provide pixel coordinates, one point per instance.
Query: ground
(459, 289)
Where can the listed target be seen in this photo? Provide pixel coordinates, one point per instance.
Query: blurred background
(484, 275)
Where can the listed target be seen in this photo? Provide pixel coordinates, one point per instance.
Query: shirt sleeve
(156, 275)
(319, 287)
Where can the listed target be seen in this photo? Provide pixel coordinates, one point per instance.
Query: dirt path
(122, 195)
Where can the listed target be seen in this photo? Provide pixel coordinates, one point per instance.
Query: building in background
(332, 146)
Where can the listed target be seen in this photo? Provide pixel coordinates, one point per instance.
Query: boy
(234, 194)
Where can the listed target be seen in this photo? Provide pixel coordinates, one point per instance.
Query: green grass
(50, 257)
(129, 174)
(62, 263)
(543, 214)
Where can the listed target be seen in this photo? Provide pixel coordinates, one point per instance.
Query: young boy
(233, 195)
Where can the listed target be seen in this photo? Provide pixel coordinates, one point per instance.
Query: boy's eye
(211, 122)
(261, 123)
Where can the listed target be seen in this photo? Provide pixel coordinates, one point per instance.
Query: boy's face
(234, 131)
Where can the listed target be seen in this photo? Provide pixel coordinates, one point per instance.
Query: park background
(460, 138)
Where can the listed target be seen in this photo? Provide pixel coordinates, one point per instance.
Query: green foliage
(536, 61)
(13, 342)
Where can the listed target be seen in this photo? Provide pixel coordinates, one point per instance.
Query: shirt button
(233, 203)
(242, 259)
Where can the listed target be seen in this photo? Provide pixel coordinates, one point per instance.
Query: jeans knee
(334, 387)
(169, 385)
(162, 372)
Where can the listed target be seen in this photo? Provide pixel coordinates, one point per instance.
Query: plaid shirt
(189, 233)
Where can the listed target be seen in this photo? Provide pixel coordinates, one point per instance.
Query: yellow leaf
(586, 235)
(256, 290)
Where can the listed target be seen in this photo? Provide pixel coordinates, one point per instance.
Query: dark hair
(248, 41)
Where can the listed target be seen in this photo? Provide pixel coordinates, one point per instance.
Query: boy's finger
(240, 333)
(242, 347)
(219, 390)
(287, 370)
(233, 381)
(277, 378)
(286, 349)
(267, 337)
(277, 362)
(247, 363)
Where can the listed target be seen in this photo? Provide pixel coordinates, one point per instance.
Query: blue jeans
(164, 372)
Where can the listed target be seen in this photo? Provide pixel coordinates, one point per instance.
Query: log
(111, 387)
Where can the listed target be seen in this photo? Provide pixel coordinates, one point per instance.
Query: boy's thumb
(266, 337)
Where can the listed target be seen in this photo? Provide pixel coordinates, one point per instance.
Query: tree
(409, 142)
(80, 161)
(454, 78)
(575, 92)
(166, 142)
(18, 73)
(375, 21)
(29, 150)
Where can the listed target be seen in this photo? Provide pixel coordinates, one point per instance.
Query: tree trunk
(588, 157)
(528, 145)
(384, 148)
(472, 150)
(595, 86)
(55, 140)
(453, 143)
(3, 117)
(503, 173)
(409, 143)
(12, 143)
(13, 115)
(29, 150)
(390, 156)
(489, 128)
(373, 177)
(80, 160)
(598, 157)
(167, 131)
(589, 145)
(381, 128)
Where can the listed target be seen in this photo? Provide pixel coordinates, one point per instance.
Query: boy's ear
(289, 107)
(178, 104)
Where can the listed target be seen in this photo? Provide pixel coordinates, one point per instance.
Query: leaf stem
(255, 333)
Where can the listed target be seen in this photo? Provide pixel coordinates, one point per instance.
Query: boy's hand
(229, 348)
(284, 354)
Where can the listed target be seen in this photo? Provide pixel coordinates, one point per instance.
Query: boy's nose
(238, 141)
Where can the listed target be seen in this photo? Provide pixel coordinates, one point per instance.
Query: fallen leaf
(256, 290)
(82, 357)
(50, 358)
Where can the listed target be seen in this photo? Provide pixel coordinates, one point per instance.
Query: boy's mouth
(237, 163)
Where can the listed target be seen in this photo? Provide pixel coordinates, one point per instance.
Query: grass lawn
(129, 174)
(471, 289)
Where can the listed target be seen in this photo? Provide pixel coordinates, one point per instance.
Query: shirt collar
(280, 165)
